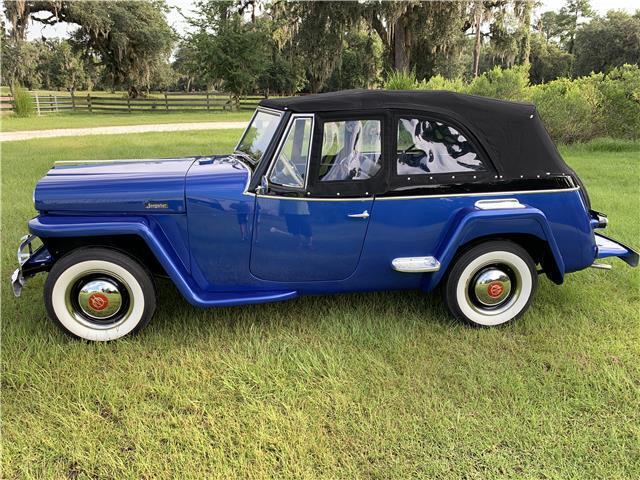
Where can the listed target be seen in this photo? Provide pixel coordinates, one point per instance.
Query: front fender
(472, 223)
(155, 238)
(151, 233)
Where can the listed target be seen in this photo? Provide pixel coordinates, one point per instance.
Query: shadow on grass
(370, 310)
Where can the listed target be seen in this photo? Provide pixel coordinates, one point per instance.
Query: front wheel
(99, 294)
(491, 284)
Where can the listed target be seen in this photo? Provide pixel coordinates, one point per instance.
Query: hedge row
(580, 109)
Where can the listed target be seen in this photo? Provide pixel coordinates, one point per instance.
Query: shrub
(620, 102)
(23, 103)
(598, 105)
(401, 80)
(438, 82)
(507, 84)
(567, 109)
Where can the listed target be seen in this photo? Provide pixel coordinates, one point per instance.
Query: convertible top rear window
(433, 147)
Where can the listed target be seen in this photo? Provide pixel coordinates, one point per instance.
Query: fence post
(129, 103)
(73, 101)
(37, 103)
(55, 102)
(89, 102)
(208, 106)
(166, 101)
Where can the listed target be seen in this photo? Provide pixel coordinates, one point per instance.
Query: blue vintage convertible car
(338, 192)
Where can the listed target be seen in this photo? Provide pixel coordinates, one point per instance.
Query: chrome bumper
(608, 247)
(25, 250)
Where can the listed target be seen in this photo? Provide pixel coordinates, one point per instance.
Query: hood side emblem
(156, 205)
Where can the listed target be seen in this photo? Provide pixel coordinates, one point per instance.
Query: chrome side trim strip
(498, 204)
(129, 160)
(311, 199)
(482, 194)
(415, 264)
(418, 197)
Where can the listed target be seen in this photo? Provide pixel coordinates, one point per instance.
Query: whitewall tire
(99, 294)
(491, 284)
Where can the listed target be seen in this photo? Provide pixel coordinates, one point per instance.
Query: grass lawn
(381, 385)
(11, 123)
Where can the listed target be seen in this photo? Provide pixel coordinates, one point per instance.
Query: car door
(311, 221)
(433, 167)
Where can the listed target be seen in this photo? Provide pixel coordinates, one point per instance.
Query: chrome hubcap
(100, 299)
(492, 286)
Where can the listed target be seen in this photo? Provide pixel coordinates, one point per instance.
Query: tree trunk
(573, 33)
(524, 49)
(401, 53)
(478, 43)
(314, 85)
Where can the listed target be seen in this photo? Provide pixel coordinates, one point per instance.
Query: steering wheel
(289, 168)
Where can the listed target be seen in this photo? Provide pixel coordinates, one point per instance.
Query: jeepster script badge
(154, 205)
(98, 301)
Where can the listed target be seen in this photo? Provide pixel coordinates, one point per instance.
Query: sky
(176, 20)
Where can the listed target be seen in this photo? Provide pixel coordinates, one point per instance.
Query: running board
(415, 264)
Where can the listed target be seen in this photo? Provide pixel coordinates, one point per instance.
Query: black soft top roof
(511, 133)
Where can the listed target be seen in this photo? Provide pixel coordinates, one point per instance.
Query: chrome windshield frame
(270, 111)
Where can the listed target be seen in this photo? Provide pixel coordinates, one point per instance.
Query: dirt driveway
(74, 132)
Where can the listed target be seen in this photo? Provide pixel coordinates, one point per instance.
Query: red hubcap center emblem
(98, 301)
(495, 289)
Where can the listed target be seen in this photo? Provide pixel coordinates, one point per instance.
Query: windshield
(258, 135)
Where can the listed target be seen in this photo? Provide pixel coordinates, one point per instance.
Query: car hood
(121, 186)
(164, 167)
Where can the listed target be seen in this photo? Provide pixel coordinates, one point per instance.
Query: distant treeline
(271, 47)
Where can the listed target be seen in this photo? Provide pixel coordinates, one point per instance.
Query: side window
(290, 167)
(429, 146)
(351, 150)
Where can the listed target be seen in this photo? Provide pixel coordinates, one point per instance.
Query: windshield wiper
(246, 156)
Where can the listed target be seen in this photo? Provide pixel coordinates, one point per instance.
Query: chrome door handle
(364, 214)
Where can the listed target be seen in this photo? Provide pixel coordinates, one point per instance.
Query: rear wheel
(491, 284)
(99, 294)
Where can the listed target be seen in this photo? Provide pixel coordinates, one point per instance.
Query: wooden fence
(163, 102)
(6, 104)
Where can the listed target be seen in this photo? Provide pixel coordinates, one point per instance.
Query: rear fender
(471, 224)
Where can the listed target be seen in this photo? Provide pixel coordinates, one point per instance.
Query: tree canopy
(278, 47)
(126, 38)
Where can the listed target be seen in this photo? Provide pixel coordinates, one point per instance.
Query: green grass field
(11, 123)
(381, 385)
